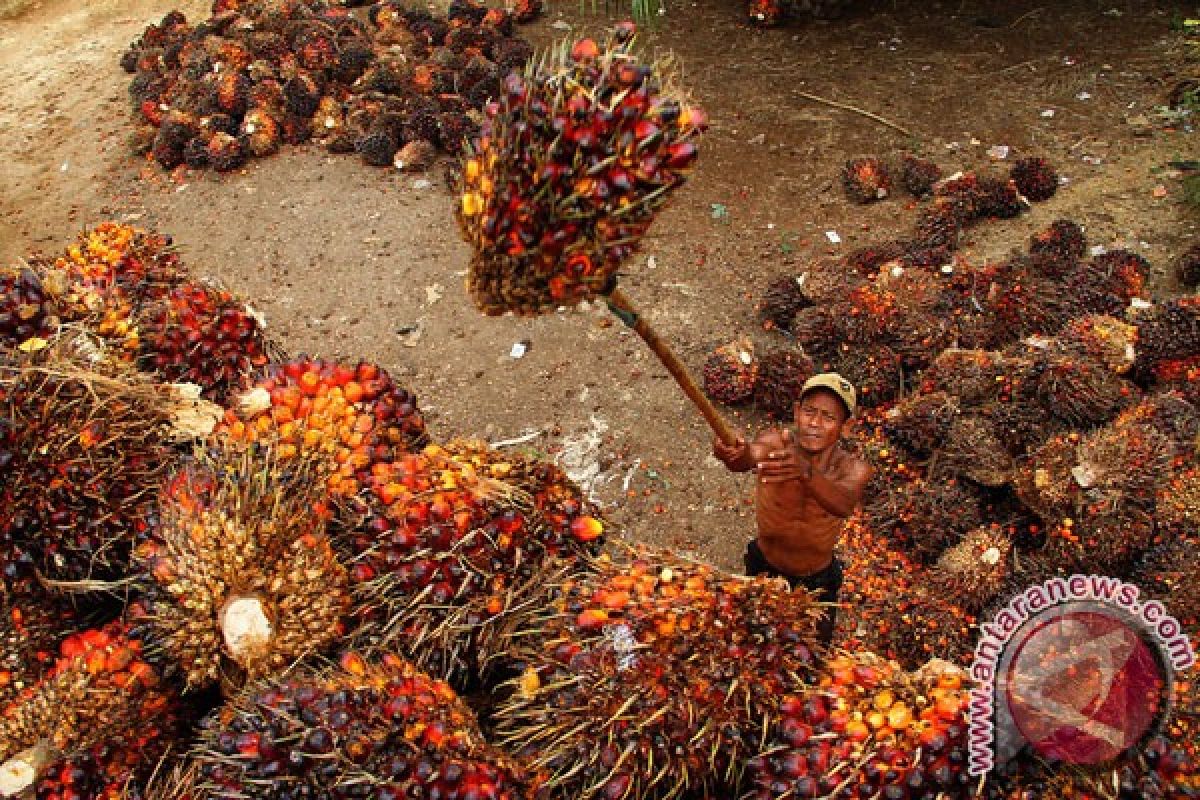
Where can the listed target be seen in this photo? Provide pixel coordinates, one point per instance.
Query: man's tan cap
(836, 384)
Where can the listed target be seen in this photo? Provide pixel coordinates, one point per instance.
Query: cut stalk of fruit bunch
(576, 158)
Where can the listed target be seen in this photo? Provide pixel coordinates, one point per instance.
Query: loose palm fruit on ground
(653, 676)
(730, 372)
(455, 539)
(866, 180)
(353, 415)
(203, 335)
(100, 692)
(1035, 178)
(83, 447)
(781, 376)
(237, 574)
(561, 185)
(377, 728)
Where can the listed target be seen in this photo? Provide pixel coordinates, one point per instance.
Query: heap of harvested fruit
(238, 575)
(454, 541)
(100, 710)
(654, 675)
(869, 730)
(83, 447)
(377, 728)
(353, 416)
(573, 164)
(391, 86)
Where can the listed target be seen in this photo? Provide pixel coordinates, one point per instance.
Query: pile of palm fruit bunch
(574, 161)
(394, 85)
(651, 676)
(869, 729)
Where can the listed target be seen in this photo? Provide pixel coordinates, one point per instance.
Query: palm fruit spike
(100, 692)
(730, 372)
(874, 369)
(973, 450)
(455, 540)
(238, 568)
(652, 676)
(972, 377)
(1167, 332)
(572, 166)
(973, 572)
(781, 300)
(355, 415)
(918, 175)
(1168, 413)
(377, 728)
(869, 730)
(83, 448)
(781, 376)
(30, 632)
(1167, 571)
(923, 517)
(203, 335)
(1035, 178)
(921, 422)
(866, 180)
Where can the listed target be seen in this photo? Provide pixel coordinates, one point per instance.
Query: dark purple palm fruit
(874, 369)
(921, 423)
(997, 198)
(225, 152)
(1035, 178)
(866, 180)
(918, 175)
(780, 302)
(730, 373)
(1187, 270)
(1056, 250)
(781, 376)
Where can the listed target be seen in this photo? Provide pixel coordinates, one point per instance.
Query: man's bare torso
(796, 534)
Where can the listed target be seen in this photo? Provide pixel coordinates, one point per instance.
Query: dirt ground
(350, 261)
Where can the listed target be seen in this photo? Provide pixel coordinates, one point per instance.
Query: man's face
(819, 419)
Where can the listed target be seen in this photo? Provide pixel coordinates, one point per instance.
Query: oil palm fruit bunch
(238, 577)
(1035, 178)
(1057, 249)
(870, 730)
(100, 698)
(1109, 282)
(973, 449)
(781, 300)
(1121, 466)
(1167, 571)
(1106, 541)
(923, 517)
(1022, 302)
(918, 175)
(921, 422)
(818, 331)
(866, 180)
(730, 372)
(875, 369)
(941, 223)
(455, 540)
(653, 677)
(868, 260)
(1187, 268)
(30, 632)
(83, 448)
(375, 728)
(781, 376)
(921, 623)
(766, 13)
(1044, 481)
(972, 377)
(1170, 414)
(974, 571)
(27, 310)
(354, 415)
(203, 335)
(576, 158)
(1177, 506)
(1167, 331)
(1078, 388)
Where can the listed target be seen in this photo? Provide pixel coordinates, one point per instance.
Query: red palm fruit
(700, 660)
(83, 447)
(238, 576)
(27, 310)
(1034, 178)
(868, 260)
(918, 175)
(353, 415)
(765, 13)
(202, 335)
(866, 180)
(380, 725)
(100, 692)
(455, 540)
(730, 373)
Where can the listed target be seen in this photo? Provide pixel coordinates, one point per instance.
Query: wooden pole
(619, 304)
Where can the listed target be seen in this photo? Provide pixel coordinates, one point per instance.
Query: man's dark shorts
(825, 586)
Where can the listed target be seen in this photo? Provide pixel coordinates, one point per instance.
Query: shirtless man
(807, 487)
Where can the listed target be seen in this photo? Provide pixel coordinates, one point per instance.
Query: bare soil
(349, 261)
